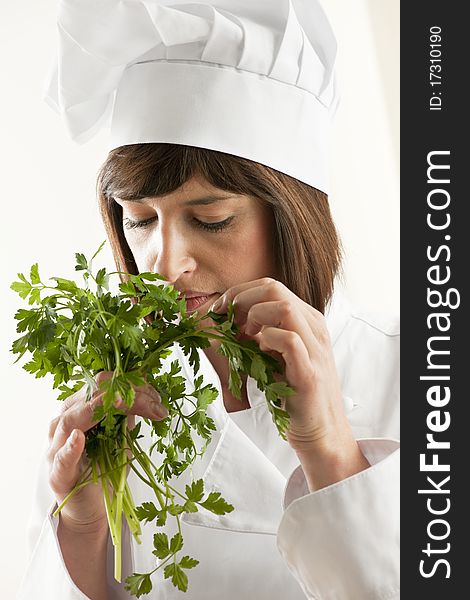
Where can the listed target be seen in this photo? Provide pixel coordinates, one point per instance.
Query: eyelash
(212, 227)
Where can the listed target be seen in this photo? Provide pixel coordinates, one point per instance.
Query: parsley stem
(143, 461)
(136, 471)
(161, 564)
(107, 500)
(131, 516)
(119, 500)
(141, 458)
(157, 470)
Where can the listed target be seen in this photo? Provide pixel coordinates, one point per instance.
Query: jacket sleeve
(342, 542)
(46, 576)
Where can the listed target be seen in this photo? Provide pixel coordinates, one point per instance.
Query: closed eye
(130, 224)
(207, 226)
(217, 226)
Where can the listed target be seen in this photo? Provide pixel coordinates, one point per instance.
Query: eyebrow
(204, 201)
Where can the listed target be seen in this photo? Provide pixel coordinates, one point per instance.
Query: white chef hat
(253, 78)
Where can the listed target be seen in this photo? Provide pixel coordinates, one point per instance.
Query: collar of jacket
(249, 470)
(337, 315)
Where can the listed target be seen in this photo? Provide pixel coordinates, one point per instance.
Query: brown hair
(306, 241)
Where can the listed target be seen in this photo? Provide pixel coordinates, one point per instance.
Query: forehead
(200, 201)
(195, 192)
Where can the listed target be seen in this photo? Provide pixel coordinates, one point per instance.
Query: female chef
(216, 179)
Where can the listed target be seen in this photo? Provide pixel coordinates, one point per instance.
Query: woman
(244, 221)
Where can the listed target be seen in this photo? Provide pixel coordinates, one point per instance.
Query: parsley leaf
(188, 563)
(139, 584)
(195, 491)
(216, 504)
(160, 543)
(178, 577)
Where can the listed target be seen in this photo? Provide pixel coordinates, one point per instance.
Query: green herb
(74, 332)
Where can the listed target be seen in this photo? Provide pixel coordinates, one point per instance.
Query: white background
(49, 211)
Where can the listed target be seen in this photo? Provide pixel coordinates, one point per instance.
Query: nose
(174, 255)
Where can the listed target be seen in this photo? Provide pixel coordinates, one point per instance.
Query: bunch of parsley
(74, 332)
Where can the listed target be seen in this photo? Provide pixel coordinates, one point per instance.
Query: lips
(195, 300)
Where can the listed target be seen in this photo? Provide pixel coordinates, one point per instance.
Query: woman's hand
(289, 328)
(85, 511)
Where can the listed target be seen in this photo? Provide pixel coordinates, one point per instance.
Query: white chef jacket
(281, 542)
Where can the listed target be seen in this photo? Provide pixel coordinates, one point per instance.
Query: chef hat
(253, 78)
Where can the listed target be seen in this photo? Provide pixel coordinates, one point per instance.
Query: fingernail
(247, 329)
(72, 438)
(154, 395)
(159, 410)
(218, 304)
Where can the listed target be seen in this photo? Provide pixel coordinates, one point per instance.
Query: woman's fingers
(267, 302)
(78, 413)
(292, 349)
(247, 294)
(86, 508)
(282, 315)
(66, 456)
(261, 291)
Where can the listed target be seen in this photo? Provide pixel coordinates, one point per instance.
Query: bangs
(146, 170)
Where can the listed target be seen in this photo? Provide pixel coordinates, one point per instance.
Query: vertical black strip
(434, 119)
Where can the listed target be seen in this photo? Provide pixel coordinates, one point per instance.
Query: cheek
(248, 256)
(141, 251)
(259, 247)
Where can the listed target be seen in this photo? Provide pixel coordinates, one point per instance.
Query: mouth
(195, 302)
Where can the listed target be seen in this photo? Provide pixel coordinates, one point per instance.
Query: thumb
(67, 465)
